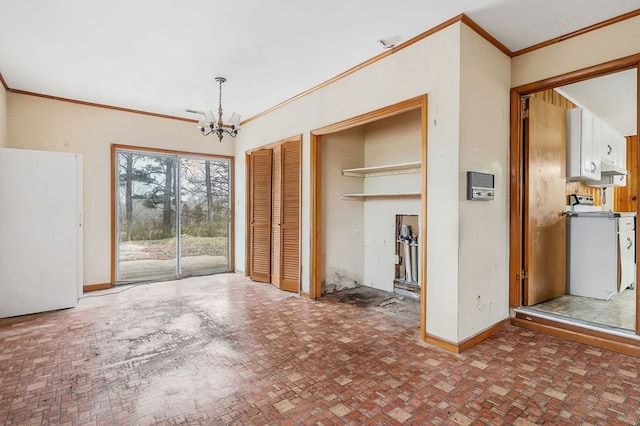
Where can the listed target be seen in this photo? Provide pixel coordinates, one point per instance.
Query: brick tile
(340, 410)
(399, 414)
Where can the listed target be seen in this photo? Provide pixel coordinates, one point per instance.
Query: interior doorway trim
(629, 345)
(419, 102)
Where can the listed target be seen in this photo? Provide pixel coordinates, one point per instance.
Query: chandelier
(219, 128)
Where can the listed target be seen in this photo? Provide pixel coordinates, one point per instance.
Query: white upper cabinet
(613, 146)
(583, 156)
(596, 153)
(614, 158)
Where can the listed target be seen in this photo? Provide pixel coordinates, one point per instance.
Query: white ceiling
(612, 98)
(162, 55)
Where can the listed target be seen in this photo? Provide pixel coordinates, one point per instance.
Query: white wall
(431, 66)
(3, 116)
(484, 147)
(45, 124)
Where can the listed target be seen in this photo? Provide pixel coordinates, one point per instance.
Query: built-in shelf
(413, 167)
(381, 195)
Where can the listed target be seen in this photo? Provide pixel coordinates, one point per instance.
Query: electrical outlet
(397, 259)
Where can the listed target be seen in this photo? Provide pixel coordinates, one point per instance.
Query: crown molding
(471, 24)
(577, 33)
(484, 34)
(459, 18)
(92, 104)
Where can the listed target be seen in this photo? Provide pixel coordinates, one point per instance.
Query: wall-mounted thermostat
(480, 186)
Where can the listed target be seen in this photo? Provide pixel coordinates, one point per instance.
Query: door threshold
(527, 311)
(604, 337)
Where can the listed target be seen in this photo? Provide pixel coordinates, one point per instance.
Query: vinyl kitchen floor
(224, 350)
(617, 312)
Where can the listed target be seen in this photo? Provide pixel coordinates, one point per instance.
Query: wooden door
(290, 217)
(260, 215)
(285, 220)
(545, 198)
(276, 216)
(274, 212)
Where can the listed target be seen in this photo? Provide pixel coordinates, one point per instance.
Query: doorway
(543, 271)
(172, 215)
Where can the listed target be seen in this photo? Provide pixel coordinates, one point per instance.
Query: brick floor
(225, 350)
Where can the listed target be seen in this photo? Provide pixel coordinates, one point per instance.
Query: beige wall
(430, 66)
(593, 48)
(484, 147)
(45, 124)
(342, 224)
(3, 116)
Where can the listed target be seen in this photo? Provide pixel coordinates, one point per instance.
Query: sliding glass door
(205, 216)
(173, 216)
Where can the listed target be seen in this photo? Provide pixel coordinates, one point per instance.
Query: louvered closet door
(260, 215)
(276, 217)
(289, 269)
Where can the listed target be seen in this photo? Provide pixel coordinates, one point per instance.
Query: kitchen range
(601, 249)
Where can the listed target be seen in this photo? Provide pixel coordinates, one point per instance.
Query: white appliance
(40, 231)
(601, 253)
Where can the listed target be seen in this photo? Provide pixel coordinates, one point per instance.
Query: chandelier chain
(220, 94)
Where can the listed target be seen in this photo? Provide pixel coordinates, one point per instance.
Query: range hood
(610, 169)
(612, 175)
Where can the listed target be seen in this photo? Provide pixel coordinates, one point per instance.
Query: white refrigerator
(40, 231)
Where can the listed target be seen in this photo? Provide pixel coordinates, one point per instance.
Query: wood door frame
(247, 159)
(516, 211)
(419, 102)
